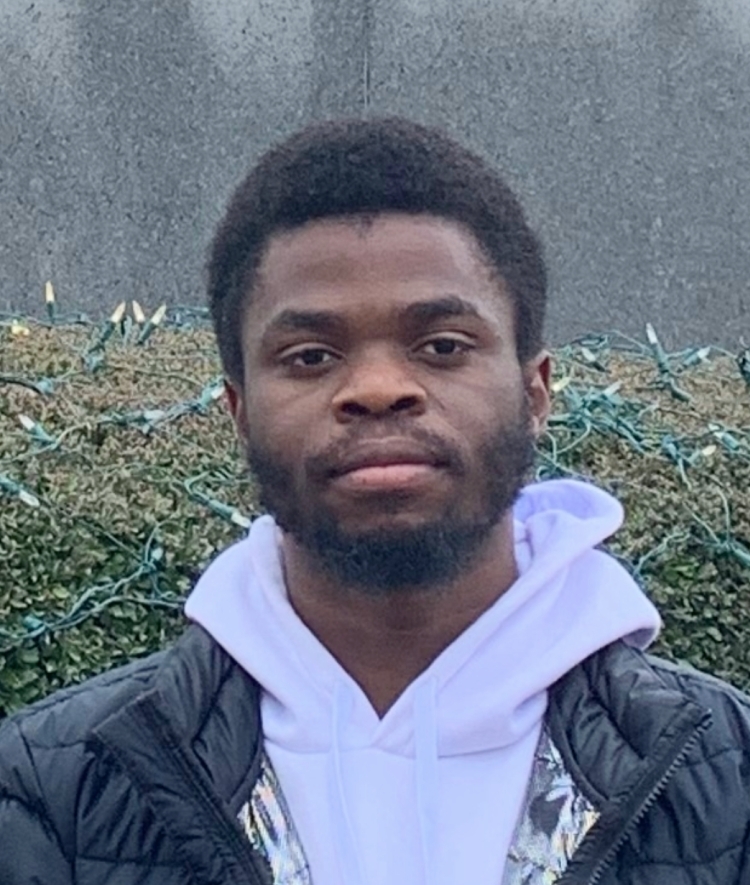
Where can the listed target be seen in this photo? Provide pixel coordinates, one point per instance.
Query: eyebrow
(326, 322)
(440, 308)
(320, 321)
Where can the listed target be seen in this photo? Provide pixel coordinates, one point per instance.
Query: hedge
(120, 479)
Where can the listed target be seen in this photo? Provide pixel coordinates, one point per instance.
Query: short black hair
(350, 168)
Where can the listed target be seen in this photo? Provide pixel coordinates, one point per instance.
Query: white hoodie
(431, 792)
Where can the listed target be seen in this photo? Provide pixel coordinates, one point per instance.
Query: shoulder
(630, 705)
(634, 728)
(68, 716)
(624, 706)
(68, 754)
(189, 679)
(728, 705)
(46, 743)
(694, 681)
(46, 748)
(622, 677)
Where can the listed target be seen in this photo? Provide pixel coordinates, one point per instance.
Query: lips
(386, 453)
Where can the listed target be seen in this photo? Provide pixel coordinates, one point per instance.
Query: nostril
(377, 402)
(354, 408)
(406, 402)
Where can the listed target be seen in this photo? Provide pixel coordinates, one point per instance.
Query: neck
(385, 642)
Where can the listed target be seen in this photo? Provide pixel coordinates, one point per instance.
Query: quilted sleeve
(30, 853)
(30, 849)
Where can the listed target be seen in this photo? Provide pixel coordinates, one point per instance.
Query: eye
(448, 347)
(308, 358)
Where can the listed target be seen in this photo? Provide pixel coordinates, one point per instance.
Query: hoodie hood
(569, 600)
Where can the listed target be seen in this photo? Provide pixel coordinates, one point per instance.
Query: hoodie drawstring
(351, 870)
(426, 768)
(426, 772)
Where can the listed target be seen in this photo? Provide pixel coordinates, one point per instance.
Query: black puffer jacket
(137, 777)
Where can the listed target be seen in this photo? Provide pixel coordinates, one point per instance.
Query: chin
(393, 519)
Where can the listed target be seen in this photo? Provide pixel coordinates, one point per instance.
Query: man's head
(365, 168)
(378, 299)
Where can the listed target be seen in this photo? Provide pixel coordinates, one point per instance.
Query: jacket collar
(190, 744)
(619, 728)
(622, 733)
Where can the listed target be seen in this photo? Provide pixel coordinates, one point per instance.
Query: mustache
(319, 467)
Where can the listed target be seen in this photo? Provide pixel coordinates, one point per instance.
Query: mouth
(387, 477)
(387, 465)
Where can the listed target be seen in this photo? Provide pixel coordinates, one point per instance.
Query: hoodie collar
(569, 600)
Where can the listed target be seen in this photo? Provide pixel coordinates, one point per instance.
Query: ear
(537, 373)
(237, 408)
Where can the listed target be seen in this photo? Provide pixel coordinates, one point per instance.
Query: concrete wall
(623, 125)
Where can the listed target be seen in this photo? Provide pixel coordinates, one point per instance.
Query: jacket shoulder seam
(66, 694)
(685, 673)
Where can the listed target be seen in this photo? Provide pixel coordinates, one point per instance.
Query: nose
(379, 385)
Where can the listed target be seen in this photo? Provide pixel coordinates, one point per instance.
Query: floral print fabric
(555, 819)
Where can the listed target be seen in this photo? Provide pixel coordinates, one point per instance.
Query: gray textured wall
(623, 124)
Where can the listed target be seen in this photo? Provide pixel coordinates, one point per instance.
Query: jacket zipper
(235, 839)
(652, 796)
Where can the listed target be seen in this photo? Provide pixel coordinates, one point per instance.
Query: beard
(387, 561)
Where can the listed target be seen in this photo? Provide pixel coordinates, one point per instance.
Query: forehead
(391, 257)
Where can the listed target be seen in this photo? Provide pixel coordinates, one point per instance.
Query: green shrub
(124, 480)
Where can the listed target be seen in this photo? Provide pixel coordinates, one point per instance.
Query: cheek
(285, 425)
(478, 412)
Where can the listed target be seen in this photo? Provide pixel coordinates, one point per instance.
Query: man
(412, 670)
